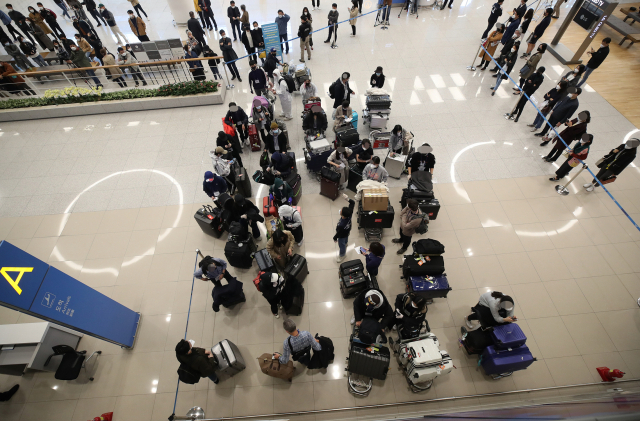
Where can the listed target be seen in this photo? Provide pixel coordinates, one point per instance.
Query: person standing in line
(125, 57)
(198, 10)
(411, 218)
(247, 41)
(530, 67)
(308, 90)
(229, 55)
(92, 9)
(307, 14)
(509, 62)
(580, 152)
(530, 86)
(526, 21)
(272, 286)
(521, 9)
(200, 361)
(84, 45)
(496, 12)
(257, 79)
(261, 118)
(138, 27)
(353, 13)
(574, 131)
(556, 8)
(304, 33)
(563, 110)
(115, 72)
(138, 8)
(233, 13)
(511, 28)
(343, 228)
(387, 11)
(613, 163)
(597, 57)
(196, 30)
(538, 32)
(38, 19)
(332, 22)
(6, 20)
(79, 58)
(313, 4)
(19, 19)
(280, 246)
(339, 159)
(374, 171)
(373, 257)
(111, 22)
(207, 13)
(282, 20)
(51, 20)
(422, 160)
(65, 10)
(30, 51)
(43, 40)
(258, 39)
(506, 50)
(342, 112)
(282, 90)
(237, 118)
(271, 63)
(81, 26)
(549, 100)
(227, 142)
(79, 12)
(490, 45)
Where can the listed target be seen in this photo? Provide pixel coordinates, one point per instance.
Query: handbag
(272, 367)
(330, 174)
(608, 180)
(599, 162)
(525, 69)
(566, 153)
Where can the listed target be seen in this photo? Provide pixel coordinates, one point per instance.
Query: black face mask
(254, 67)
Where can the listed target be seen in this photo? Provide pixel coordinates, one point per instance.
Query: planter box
(89, 108)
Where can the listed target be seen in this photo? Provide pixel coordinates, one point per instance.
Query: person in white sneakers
(493, 308)
(282, 90)
(292, 222)
(613, 163)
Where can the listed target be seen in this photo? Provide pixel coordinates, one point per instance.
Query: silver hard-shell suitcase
(230, 360)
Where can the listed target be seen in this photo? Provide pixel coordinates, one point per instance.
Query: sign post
(272, 38)
(31, 286)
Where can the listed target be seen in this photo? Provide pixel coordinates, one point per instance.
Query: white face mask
(575, 70)
(582, 141)
(364, 148)
(558, 87)
(192, 342)
(627, 147)
(515, 36)
(602, 45)
(513, 49)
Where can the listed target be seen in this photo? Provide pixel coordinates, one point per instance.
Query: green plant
(83, 95)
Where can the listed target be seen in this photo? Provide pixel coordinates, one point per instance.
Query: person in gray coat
(21, 60)
(563, 110)
(43, 39)
(332, 22)
(229, 55)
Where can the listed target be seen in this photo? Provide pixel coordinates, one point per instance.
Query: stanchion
(229, 85)
(562, 189)
(379, 18)
(473, 67)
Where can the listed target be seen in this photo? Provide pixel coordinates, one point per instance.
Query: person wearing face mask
(6, 20)
(490, 45)
(61, 52)
(229, 55)
(195, 66)
(574, 131)
(80, 60)
(66, 43)
(197, 361)
(78, 11)
(411, 218)
(261, 119)
(84, 45)
(613, 163)
(530, 86)
(115, 73)
(233, 13)
(315, 121)
(307, 14)
(511, 29)
(373, 303)
(276, 140)
(281, 193)
(282, 19)
(38, 19)
(304, 33)
(377, 78)
(308, 90)
(506, 49)
(563, 110)
(493, 309)
(282, 90)
(411, 311)
(81, 26)
(96, 44)
(573, 76)
(213, 62)
(597, 57)
(236, 117)
(51, 20)
(496, 12)
(214, 185)
(196, 30)
(509, 62)
(271, 63)
(281, 164)
(342, 112)
(374, 171)
(530, 67)
(20, 20)
(399, 139)
(339, 160)
(580, 152)
(549, 100)
(526, 21)
(21, 61)
(332, 22)
(30, 51)
(192, 42)
(292, 221)
(229, 144)
(111, 22)
(41, 37)
(340, 91)
(125, 57)
(138, 27)
(363, 157)
(247, 41)
(538, 32)
(258, 39)
(92, 8)
(207, 14)
(257, 79)
(272, 287)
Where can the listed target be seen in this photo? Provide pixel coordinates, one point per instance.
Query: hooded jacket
(199, 362)
(616, 162)
(406, 309)
(343, 228)
(215, 187)
(285, 193)
(235, 118)
(381, 311)
(370, 172)
(243, 206)
(282, 163)
(410, 221)
(282, 142)
(290, 217)
(280, 253)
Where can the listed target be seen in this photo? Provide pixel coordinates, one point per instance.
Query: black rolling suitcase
(428, 246)
(422, 197)
(296, 268)
(372, 363)
(224, 201)
(295, 182)
(412, 267)
(298, 300)
(476, 341)
(355, 177)
(375, 219)
(240, 255)
(348, 137)
(243, 183)
(264, 261)
(352, 278)
(292, 157)
(432, 208)
(209, 219)
(378, 102)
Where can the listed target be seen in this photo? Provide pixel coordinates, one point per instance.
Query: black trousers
(25, 28)
(546, 126)
(143, 37)
(519, 106)
(564, 169)
(353, 29)
(252, 52)
(13, 31)
(139, 9)
(406, 239)
(120, 81)
(444, 3)
(603, 174)
(297, 233)
(209, 19)
(55, 28)
(235, 25)
(554, 154)
(331, 29)
(234, 70)
(244, 133)
(489, 26)
(97, 17)
(360, 6)
(313, 3)
(283, 37)
(137, 75)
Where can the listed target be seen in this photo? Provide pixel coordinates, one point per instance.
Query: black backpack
(291, 86)
(428, 246)
(204, 263)
(369, 330)
(187, 376)
(332, 90)
(238, 232)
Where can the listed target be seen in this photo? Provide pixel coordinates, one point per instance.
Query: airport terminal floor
(109, 199)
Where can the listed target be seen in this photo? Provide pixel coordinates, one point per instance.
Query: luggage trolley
(374, 222)
(395, 164)
(365, 363)
(419, 356)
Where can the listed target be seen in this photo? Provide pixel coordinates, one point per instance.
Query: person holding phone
(373, 256)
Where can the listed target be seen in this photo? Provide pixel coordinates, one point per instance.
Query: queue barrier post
(562, 189)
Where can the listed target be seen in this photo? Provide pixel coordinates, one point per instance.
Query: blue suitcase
(508, 336)
(354, 119)
(499, 361)
(435, 287)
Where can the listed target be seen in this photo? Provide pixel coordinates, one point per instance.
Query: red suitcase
(254, 139)
(268, 208)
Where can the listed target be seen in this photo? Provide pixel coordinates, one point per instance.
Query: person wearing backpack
(198, 361)
(340, 91)
(272, 287)
(410, 309)
(298, 345)
(292, 221)
(212, 269)
(282, 90)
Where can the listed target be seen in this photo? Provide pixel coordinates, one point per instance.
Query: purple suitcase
(508, 336)
(429, 286)
(500, 361)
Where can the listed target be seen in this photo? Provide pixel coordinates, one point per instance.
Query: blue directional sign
(272, 38)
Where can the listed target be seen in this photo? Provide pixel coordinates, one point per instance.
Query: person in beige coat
(531, 65)
(411, 217)
(138, 27)
(37, 18)
(280, 247)
(84, 45)
(353, 13)
(490, 45)
(113, 73)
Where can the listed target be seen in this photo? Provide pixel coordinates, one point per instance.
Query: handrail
(143, 64)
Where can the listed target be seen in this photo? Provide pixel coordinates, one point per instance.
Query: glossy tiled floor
(109, 199)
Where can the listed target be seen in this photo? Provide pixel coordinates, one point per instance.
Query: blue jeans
(213, 378)
(342, 244)
(64, 10)
(283, 37)
(39, 61)
(93, 76)
(537, 123)
(585, 75)
(498, 82)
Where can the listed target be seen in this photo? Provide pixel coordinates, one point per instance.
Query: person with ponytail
(493, 308)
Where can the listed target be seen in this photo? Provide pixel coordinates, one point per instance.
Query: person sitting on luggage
(363, 157)
(281, 192)
(422, 160)
(261, 119)
(298, 345)
(280, 247)
(377, 78)
(236, 117)
(213, 185)
(315, 121)
(281, 165)
(493, 308)
(244, 209)
(272, 289)
(373, 257)
(372, 303)
(374, 171)
(410, 309)
(342, 112)
(343, 229)
(339, 159)
(199, 360)
(212, 269)
(399, 139)
(292, 221)
(222, 166)
(411, 218)
(275, 133)
(227, 142)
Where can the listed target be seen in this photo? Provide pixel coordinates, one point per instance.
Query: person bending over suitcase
(411, 218)
(281, 193)
(339, 159)
(292, 221)
(281, 165)
(374, 171)
(199, 360)
(245, 210)
(298, 345)
(315, 121)
(230, 146)
(411, 311)
(212, 269)
(493, 308)
(422, 160)
(373, 303)
(399, 139)
(272, 288)
(213, 185)
(280, 247)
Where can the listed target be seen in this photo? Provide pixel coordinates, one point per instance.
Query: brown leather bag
(273, 367)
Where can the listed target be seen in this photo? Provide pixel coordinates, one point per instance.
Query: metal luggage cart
(359, 383)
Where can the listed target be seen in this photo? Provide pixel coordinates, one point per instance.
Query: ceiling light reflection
(457, 79)
(434, 96)
(417, 83)
(438, 81)
(452, 171)
(457, 93)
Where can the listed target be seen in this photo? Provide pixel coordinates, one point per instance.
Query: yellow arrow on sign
(12, 282)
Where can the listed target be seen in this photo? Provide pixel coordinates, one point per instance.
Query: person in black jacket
(343, 228)
(20, 20)
(196, 30)
(304, 33)
(340, 90)
(563, 110)
(213, 62)
(271, 63)
(275, 133)
(237, 118)
(233, 13)
(615, 162)
(597, 57)
(229, 144)
(51, 20)
(377, 78)
(411, 309)
(245, 209)
(272, 287)
(508, 61)
(229, 55)
(521, 9)
(257, 79)
(538, 32)
(247, 41)
(199, 361)
(92, 9)
(555, 94)
(422, 160)
(205, 6)
(506, 49)
(258, 39)
(531, 85)
(496, 12)
(373, 303)
(315, 121)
